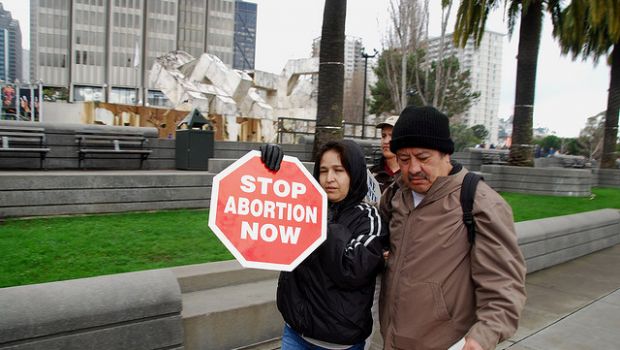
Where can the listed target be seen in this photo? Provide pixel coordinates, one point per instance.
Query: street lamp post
(365, 56)
(105, 92)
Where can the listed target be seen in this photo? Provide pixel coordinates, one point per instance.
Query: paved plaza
(574, 305)
(571, 306)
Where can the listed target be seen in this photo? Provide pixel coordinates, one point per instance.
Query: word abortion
(271, 210)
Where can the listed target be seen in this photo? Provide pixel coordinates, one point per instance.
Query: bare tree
(591, 137)
(404, 37)
(407, 40)
(440, 86)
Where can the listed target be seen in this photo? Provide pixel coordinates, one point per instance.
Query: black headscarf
(354, 162)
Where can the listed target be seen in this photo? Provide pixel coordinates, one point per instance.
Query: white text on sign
(280, 188)
(270, 209)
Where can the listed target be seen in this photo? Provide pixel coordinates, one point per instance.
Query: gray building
(10, 47)
(245, 35)
(25, 65)
(207, 26)
(103, 49)
(485, 65)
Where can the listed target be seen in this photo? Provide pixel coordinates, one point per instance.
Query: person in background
(326, 300)
(387, 169)
(438, 287)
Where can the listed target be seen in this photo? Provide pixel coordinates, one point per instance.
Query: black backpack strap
(468, 191)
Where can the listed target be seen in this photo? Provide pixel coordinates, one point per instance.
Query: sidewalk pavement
(574, 305)
(571, 306)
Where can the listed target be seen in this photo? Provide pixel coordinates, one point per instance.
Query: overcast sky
(567, 91)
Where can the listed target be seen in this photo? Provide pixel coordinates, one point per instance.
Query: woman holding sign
(326, 300)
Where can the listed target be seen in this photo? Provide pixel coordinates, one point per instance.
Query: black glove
(271, 155)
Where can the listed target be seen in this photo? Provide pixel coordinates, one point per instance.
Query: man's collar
(456, 167)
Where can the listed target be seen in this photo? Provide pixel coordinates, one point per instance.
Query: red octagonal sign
(268, 220)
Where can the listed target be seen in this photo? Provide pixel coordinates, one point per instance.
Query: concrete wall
(545, 181)
(138, 310)
(62, 112)
(470, 160)
(547, 162)
(606, 177)
(552, 241)
(562, 161)
(78, 192)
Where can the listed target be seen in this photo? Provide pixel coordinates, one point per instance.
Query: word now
(269, 232)
(280, 188)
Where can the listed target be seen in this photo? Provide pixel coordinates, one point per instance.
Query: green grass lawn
(530, 207)
(52, 249)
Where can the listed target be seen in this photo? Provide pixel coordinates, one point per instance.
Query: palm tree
(591, 28)
(331, 75)
(471, 20)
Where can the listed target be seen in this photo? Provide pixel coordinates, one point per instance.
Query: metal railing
(293, 130)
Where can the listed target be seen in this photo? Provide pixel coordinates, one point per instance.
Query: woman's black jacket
(329, 295)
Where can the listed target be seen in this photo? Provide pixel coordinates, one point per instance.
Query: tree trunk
(331, 75)
(608, 160)
(521, 150)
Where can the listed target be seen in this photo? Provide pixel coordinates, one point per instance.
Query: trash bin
(194, 142)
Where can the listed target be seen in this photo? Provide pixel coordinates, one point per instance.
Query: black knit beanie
(423, 127)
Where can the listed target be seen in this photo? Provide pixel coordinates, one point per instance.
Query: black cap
(423, 127)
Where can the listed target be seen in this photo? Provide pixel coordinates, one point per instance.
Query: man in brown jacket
(438, 288)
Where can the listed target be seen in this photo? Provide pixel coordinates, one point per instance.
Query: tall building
(485, 65)
(353, 77)
(245, 35)
(10, 47)
(207, 26)
(103, 49)
(25, 65)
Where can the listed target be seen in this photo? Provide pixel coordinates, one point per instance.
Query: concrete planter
(607, 177)
(545, 181)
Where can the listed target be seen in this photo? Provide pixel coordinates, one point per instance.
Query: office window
(87, 93)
